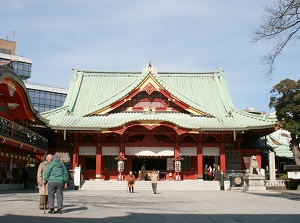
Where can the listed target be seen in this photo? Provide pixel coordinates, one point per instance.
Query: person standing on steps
(210, 173)
(130, 180)
(57, 177)
(143, 172)
(154, 180)
(205, 172)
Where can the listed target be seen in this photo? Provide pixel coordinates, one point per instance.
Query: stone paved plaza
(144, 206)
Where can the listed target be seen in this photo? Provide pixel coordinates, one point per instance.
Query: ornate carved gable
(150, 95)
(149, 88)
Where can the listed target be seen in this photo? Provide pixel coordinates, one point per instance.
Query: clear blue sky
(123, 35)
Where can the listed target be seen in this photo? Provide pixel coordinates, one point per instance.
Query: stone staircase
(146, 185)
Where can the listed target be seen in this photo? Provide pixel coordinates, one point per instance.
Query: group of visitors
(131, 180)
(52, 177)
(211, 173)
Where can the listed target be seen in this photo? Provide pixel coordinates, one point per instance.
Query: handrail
(15, 131)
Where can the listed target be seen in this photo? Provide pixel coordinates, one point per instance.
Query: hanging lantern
(120, 166)
(177, 166)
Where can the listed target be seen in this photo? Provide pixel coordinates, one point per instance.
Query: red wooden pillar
(75, 155)
(127, 163)
(176, 153)
(98, 160)
(199, 161)
(222, 157)
(176, 148)
(258, 158)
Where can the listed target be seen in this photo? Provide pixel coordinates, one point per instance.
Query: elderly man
(154, 179)
(57, 177)
(43, 189)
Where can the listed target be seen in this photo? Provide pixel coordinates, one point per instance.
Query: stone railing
(272, 183)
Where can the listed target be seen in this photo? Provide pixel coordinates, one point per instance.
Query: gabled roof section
(15, 103)
(94, 92)
(281, 148)
(93, 95)
(150, 81)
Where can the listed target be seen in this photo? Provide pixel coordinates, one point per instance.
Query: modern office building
(21, 65)
(42, 96)
(46, 97)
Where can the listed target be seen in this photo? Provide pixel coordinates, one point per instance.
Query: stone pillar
(272, 171)
(199, 161)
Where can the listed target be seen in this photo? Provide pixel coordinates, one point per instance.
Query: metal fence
(15, 131)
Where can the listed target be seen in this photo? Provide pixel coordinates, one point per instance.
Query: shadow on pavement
(155, 218)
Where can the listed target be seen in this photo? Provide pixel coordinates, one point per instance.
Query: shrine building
(20, 145)
(153, 118)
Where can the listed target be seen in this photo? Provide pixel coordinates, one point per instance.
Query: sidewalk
(144, 206)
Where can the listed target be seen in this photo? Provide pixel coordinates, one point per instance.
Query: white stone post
(272, 171)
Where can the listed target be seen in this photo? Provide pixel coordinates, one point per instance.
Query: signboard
(77, 176)
(169, 163)
(293, 175)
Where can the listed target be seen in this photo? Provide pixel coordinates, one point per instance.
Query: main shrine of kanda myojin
(152, 118)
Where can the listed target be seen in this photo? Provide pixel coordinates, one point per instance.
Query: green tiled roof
(91, 91)
(280, 148)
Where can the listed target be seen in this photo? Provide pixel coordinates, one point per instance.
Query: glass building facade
(22, 69)
(45, 97)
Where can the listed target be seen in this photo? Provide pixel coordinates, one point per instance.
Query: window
(90, 163)
(42, 94)
(36, 94)
(22, 69)
(111, 163)
(42, 101)
(31, 93)
(47, 95)
(186, 164)
(47, 102)
(6, 51)
(52, 96)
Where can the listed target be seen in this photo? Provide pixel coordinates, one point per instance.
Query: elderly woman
(57, 177)
(130, 180)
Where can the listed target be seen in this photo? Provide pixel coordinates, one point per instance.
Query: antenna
(241, 102)
(14, 32)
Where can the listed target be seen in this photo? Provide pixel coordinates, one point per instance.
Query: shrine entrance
(158, 163)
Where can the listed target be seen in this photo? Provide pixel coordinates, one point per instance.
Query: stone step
(146, 185)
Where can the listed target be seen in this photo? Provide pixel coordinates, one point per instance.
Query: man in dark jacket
(56, 176)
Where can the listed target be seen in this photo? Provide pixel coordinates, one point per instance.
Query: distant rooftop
(15, 58)
(46, 87)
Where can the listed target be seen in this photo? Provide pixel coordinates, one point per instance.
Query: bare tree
(280, 23)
